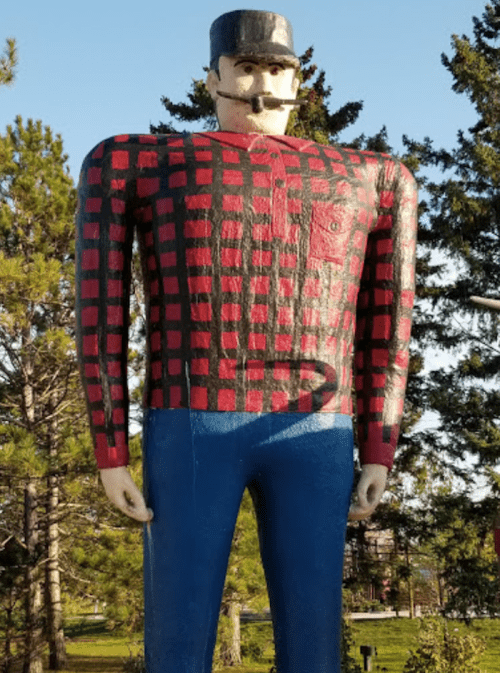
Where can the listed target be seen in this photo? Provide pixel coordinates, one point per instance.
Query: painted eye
(275, 70)
(248, 69)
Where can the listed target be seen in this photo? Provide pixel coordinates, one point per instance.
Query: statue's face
(250, 77)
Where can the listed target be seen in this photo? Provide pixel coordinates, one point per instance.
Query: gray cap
(254, 33)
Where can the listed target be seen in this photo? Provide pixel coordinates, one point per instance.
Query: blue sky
(93, 69)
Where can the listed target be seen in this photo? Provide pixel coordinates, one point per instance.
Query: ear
(213, 83)
(295, 85)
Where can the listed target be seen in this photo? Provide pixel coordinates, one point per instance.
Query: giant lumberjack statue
(266, 260)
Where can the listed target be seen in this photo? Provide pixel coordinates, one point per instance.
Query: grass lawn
(92, 649)
(393, 639)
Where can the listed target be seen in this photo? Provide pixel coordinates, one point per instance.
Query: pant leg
(194, 486)
(302, 495)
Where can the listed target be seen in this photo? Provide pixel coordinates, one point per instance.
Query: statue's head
(252, 62)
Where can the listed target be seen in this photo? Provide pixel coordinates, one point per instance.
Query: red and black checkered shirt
(266, 258)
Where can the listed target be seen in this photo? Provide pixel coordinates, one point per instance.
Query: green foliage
(245, 580)
(245, 583)
(199, 108)
(348, 662)
(105, 555)
(440, 651)
(109, 563)
(40, 402)
(38, 372)
(41, 405)
(257, 642)
(459, 239)
(314, 120)
(8, 62)
(462, 211)
(460, 540)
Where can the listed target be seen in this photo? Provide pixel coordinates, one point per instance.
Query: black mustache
(258, 102)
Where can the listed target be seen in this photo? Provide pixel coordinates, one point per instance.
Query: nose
(263, 82)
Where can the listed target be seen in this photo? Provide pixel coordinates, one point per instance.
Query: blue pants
(298, 468)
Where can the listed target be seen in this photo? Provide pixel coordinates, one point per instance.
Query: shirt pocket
(330, 229)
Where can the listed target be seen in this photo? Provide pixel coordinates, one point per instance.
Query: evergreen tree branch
(8, 62)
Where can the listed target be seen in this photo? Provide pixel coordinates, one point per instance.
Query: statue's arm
(384, 310)
(102, 269)
(383, 332)
(103, 262)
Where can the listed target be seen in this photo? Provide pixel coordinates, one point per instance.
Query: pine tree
(40, 402)
(462, 223)
(461, 541)
(13, 560)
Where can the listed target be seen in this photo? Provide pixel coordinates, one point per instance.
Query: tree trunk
(497, 541)
(440, 591)
(411, 593)
(54, 630)
(33, 635)
(231, 648)
(7, 664)
(234, 616)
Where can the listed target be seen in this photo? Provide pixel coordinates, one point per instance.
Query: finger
(135, 500)
(143, 515)
(365, 504)
(132, 503)
(357, 513)
(354, 514)
(362, 493)
(373, 495)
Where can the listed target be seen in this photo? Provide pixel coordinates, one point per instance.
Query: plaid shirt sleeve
(104, 243)
(384, 316)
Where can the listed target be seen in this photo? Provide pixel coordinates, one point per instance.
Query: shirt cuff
(376, 449)
(110, 456)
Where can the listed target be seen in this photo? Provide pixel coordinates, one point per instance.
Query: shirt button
(279, 182)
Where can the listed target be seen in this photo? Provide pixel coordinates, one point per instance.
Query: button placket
(279, 223)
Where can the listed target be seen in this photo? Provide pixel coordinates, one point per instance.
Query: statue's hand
(370, 489)
(124, 494)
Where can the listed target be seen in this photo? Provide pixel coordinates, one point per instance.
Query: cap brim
(271, 52)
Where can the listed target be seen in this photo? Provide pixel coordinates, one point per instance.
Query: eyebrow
(257, 61)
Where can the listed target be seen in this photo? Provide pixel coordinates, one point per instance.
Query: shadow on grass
(79, 664)
(86, 629)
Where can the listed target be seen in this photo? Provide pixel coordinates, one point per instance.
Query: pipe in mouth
(259, 103)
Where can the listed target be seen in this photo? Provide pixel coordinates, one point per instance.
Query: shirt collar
(254, 141)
